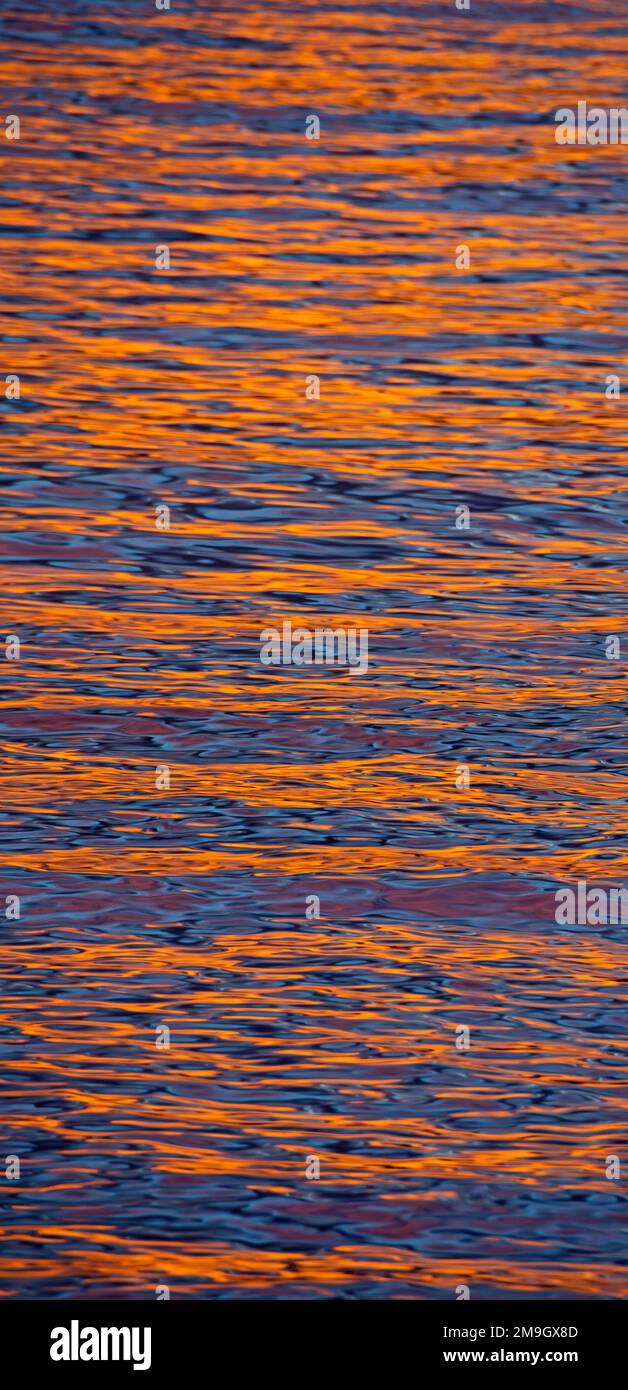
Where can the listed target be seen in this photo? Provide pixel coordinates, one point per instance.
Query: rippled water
(293, 1038)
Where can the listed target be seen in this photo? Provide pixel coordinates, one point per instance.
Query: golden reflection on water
(185, 907)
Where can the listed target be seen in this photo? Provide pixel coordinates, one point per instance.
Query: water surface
(290, 1037)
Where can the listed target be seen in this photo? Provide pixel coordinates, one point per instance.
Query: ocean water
(303, 1045)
